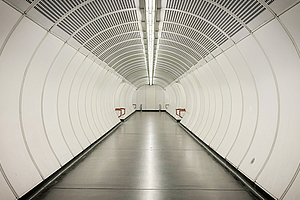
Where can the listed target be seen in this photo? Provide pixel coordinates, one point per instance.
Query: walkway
(148, 157)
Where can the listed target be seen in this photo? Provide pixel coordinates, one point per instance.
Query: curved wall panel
(234, 126)
(177, 99)
(79, 100)
(248, 104)
(91, 101)
(6, 192)
(111, 89)
(73, 138)
(73, 101)
(267, 104)
(285, 63)
(49, 102)
(119, 102)
(31, 109)
(210, 132)
(248, 124)
(124, 99)
(15, 57)
(218, 136)
(203, 103)
(215, 105)
(83, 102)
(173, 99)
(54, 103)
(189, 101)
(194, 103)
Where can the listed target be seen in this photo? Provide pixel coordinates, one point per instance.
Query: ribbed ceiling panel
(131, 49)
(196, 28)
(106, 28)
(105, 35)
(189, 32)
(103, 23)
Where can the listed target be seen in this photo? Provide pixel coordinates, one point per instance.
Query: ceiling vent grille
(192, 44)
(108, 33)
(191, 30)
(196, 23)
(177, 52)
(116, 48)
(190, 33)
(122, 51)
(92, 11)
(104, 23)
(116, 40)
(54, 10)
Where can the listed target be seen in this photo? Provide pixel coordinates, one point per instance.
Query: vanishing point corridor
(148, 157)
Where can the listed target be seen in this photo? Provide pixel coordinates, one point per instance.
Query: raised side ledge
(126, 118)
(254, 189)
(46, 184)
(177, 120)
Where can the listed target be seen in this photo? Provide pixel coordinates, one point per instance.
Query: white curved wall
(177, 99)
(124, 99)
(245, 104)
(54, 103)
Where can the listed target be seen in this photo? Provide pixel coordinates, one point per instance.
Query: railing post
(121, 111)
(179, 110)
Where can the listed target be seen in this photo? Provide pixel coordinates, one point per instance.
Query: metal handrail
(179, 110)
(121, 111)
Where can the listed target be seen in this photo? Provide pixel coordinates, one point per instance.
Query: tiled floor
(148, 157)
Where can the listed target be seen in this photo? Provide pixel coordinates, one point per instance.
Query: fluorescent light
(150, 17)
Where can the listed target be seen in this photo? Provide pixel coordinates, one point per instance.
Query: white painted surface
(204, 103)
(237, 106)
(247, 129)
(49, 92)
(90, 104)
(280, 169)
(73, 101)
(189, 105)
(6, 192)
(267, 104)
(293, 192)
(291, 22)
(279, 6)
(49, 103)
(17, 164)
(150, 97)
(218, 110)
(31, 105)
(8, 18)
(71, 137)
(257, 83)
(123, 99)
(226, 105)
(87, 126)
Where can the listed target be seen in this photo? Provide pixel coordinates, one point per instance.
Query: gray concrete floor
(148, 157)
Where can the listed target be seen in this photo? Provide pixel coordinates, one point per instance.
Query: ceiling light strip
(150, 17)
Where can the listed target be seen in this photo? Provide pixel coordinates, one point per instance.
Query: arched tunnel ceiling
(186, 32)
